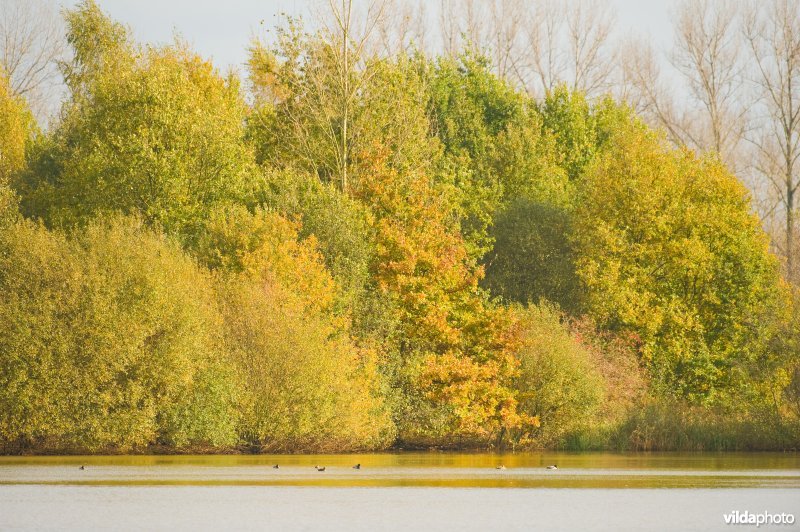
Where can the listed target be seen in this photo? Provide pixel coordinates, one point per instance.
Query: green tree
(668, 248)
(151, 131)
(470, 109)
(568, 117)
(540, 163)
(581, 130)
(525, 158)
(533, 258)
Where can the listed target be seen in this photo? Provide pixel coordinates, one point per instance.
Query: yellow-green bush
(108, 341)
(15, 130)
(305, 384)
(558, 383)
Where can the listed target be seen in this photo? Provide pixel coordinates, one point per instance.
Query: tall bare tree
(656, 96)
(31, 43)
(465, 23)
(321, 77)
(495, 28)
(449, 26)
(589, 25)
(708, 53)
(536, 44)
(772, 32)
(547, 62)
(348, 56)
(507, 43)
(705, 105)
(568, 42)
(640, 82)
(401, 28)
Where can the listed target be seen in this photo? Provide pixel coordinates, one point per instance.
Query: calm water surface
(405, 491)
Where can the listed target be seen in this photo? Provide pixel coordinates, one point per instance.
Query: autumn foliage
(358, 252)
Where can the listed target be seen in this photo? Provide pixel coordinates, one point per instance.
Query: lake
(398, 491)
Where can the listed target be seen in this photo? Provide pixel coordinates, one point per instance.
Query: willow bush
(305, 384)
(108, 340)
(558, 382)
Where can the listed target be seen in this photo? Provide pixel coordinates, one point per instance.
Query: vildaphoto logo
(764, 518)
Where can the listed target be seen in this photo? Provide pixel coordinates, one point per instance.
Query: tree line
(352, 250)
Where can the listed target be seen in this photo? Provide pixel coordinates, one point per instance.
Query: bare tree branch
(569, 42)
(31, 43)
(401, 29)
(772, 34)
(708, 53)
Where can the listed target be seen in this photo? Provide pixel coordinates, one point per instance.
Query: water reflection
(475, 470)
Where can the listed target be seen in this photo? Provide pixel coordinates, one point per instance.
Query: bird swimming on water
(275, 466)
(357, 466)
(81, 468)
(501, 466)
(318, 468)
(552, 467)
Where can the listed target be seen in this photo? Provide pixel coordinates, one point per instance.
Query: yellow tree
(306, 385)
(150, 131)
(669, 249)
(15, 127)
(457, 349)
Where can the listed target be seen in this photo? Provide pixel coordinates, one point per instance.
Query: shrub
(306, 386)
(557, 382)
(108, 340)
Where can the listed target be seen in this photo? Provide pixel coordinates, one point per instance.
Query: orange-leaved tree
(456, 348)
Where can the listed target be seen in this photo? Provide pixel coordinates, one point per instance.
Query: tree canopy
(669, 249)
(349, 251)
(149, 131)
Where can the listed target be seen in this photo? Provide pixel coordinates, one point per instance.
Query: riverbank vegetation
(347, 252)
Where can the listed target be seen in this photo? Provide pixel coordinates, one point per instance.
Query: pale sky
(221, 29)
